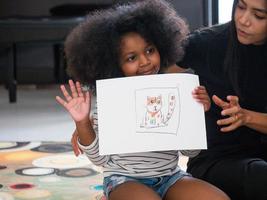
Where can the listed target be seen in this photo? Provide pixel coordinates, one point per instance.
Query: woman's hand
(201, 96)
(78, 103)
(236, 116)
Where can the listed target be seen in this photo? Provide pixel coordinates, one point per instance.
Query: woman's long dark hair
(236, 52)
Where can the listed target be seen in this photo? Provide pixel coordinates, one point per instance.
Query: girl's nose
(144, 60)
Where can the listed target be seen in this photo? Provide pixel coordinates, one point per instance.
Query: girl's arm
(78, 104)
(238, 116)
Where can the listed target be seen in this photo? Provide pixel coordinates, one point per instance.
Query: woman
(231, 60)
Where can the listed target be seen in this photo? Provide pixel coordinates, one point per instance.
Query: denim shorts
(159, 184)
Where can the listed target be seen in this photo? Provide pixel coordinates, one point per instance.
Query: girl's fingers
(73, 89)
(75, 147)
(201, 96)
(61, 101)
(87, 97)
(65, 93)
(79, 89)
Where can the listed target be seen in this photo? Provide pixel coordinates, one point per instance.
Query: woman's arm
(256, 120)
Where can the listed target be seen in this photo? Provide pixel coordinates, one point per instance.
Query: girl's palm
(78, 108)
(78, 103)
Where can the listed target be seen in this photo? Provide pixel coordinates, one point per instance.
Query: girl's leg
(189, 188)
(132, 190)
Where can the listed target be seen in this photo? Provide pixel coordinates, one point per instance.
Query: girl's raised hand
(78, 103)
(201, 96)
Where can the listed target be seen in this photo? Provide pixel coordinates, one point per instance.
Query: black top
(205, 54)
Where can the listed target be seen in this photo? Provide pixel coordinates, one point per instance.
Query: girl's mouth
(154, 70)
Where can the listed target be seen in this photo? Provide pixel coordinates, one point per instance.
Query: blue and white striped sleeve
(92, 150)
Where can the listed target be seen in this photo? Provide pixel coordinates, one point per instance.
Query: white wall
(225, 10)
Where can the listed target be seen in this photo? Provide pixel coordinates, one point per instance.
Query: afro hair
(92, 48)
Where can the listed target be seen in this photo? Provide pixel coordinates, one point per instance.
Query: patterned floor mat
(47, 170)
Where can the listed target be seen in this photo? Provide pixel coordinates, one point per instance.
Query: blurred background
(32, 66)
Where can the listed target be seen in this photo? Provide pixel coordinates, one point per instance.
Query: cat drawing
(154, 117)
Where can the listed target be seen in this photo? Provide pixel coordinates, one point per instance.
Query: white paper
(149, 113)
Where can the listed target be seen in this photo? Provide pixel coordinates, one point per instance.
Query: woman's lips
(242, 33)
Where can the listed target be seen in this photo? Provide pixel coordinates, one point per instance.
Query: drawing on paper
(154, 117)
(157, 110)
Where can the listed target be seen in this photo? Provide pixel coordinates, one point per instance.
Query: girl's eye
(150, 50)
(131, 58)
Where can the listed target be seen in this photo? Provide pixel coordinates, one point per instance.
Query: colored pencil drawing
(157, 110)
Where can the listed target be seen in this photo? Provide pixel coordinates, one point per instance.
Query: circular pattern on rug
(50, 179)
(76, 172)
(17, 146)
(35, 171)
(2, 167)
(21, 186)
(6, 196)
(33, 194)
(8, 145)
(54, 148)
(64, 161)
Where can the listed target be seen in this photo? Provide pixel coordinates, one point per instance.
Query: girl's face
(251, 21)
(137, 57)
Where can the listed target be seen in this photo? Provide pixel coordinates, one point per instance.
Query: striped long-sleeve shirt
(147, 164)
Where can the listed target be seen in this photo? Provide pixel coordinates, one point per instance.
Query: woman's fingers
(232, 127)
(230, 120)
(219, 102)
(231, 111)
(234, 100)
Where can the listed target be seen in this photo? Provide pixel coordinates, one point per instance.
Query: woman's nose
(245, 19)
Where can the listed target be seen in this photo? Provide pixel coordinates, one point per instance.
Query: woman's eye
(260, 17)
(241, 6)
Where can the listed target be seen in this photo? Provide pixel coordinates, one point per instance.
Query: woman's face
(137, 57)
(251, 21)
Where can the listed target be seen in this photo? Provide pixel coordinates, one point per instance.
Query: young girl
(129, 40)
